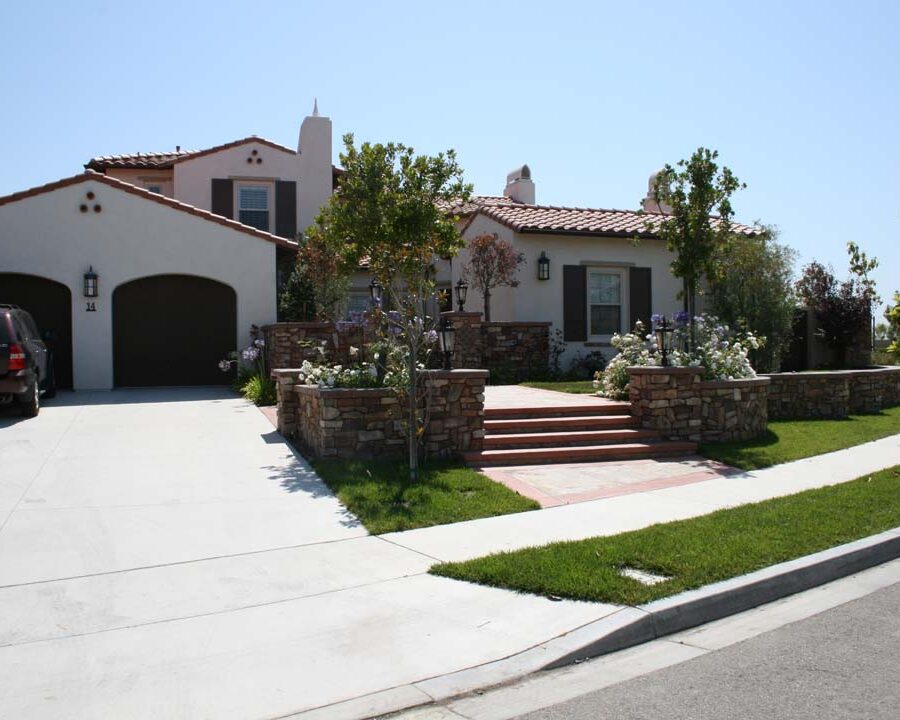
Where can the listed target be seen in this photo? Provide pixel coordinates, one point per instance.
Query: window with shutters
(253, 206)
(606, 306)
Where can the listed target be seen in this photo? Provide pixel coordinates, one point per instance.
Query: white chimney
(314, 158)
(649, 203)
(519, 186)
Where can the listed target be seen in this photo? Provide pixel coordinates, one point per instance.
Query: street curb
(627, 627)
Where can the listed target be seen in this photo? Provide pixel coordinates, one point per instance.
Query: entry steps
(569, 433)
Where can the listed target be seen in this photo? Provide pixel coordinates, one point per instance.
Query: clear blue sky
(802, 99)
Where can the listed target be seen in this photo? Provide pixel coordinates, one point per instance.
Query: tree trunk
(413, 424)
(487, 305)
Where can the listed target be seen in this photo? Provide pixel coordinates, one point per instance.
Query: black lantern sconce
(462, 289)
(664, 334)
(447, 342)
(376, 291)
(91, 283)
(543, 264)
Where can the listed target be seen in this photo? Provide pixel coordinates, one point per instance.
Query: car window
(20, 328)
(30, 325)
(5, 337)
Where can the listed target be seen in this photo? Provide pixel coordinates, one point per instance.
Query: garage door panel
(172, 330)
(50, 304)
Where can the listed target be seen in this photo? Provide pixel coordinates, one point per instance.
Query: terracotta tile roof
(163, 160)
(569, 220)
(91, 175)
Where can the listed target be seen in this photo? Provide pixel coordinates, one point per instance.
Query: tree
(297, 300)
(753, 289)
(321, 263)
(492, 263)
(843, 309)
(892, 315)
(697, 225)
(387, 211)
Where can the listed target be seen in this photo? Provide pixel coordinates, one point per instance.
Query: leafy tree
(697, 224)
(753, 289)
(387, 211)
(297, 301)
(843, 309)
(892, 315)
(492, 263)
(321, 263)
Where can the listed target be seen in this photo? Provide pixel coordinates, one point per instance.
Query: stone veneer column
(666, 399)
(467, 342)
(286, 400)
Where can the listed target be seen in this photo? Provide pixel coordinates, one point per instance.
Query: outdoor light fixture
(543, 266)
(462, 288)
(664, 333)
(447, 341)
(375, 290)
(91, 284)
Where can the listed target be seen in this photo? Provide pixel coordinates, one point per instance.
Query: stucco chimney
(314, 158)
(519, 186)
(650, 203)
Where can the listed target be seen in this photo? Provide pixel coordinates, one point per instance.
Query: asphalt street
(838, 665)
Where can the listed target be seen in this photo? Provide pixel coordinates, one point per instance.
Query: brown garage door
(50, 304)
(172, 330)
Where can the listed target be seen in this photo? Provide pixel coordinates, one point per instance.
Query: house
(606, 270)
(183, 247)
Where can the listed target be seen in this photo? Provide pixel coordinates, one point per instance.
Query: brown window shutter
(574, 302)
(223, 197)
(286, 209)
(640, 297)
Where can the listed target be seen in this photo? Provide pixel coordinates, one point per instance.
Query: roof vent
(519, 185)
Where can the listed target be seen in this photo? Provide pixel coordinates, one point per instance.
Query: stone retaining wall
(288, 344)
(832, 394)
(368, 423)
(513, 351)
(679, 404)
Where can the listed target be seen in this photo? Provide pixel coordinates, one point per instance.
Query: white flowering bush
(717, 348)
(323, 375)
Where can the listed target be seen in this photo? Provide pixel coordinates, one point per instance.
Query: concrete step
(599, 408)
(584, 453)
(545, 424)
(567, 439)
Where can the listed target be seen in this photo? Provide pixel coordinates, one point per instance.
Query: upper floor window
(253, 206)
(605, 301)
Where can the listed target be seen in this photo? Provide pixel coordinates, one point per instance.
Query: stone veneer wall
(679, 404)
(288, 344)
(367, 423)
(515, 350)
(832, 394)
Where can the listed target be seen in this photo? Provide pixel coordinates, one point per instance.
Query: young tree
(892, 315)
(492, 263)
(297, 301)
(320, 262)
(843, 309)
(698, 225)
(753, 289)
(387, 210)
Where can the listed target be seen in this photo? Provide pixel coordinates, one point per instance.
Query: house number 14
(91, 307)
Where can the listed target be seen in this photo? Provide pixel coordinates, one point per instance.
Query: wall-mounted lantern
(447, 340)
(462, 289)
(91, 283)
(664, 334)
(376, 291)
(543, 264)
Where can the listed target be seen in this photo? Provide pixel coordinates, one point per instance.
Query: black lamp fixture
(447, 342)
(376, 291)
(91, 283)
(664, 333)
(462, 289)
(543, 264)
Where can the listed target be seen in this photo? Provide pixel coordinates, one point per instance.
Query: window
(155, 189)
(253, 206)
(605, 301)
(357, 304)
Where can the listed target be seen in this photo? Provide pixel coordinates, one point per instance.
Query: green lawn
(381, 496)
(696, 552)
(577, 387)
(789, 440)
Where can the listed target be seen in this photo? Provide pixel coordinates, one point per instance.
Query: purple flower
(656, 318)
(431, 337)
(682, 318)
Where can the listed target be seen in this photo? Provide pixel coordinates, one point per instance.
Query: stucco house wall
(132, 237)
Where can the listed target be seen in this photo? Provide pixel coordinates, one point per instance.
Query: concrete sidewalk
(329, 627)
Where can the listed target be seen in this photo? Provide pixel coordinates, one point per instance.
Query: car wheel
(50, 384)
(31, 405)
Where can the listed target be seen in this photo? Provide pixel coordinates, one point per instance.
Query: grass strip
(381, 496)
(576, 387)
(695, 552)
(788, 440)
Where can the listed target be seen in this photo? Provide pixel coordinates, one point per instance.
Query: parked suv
(26, 366)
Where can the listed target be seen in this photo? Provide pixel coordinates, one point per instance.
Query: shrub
(259, 390)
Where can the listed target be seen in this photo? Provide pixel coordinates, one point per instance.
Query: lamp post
(664, 332)
(462, 289)
(447, 342)
(376, 291)
(543, 264)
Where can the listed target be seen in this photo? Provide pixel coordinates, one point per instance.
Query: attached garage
(50, 304)
(179, 287)
(172, 330)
